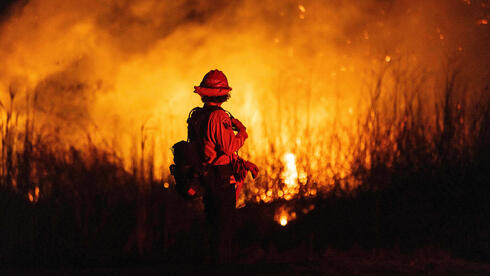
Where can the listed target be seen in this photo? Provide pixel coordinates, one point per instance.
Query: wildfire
(122, 75)
(302, 10)
(290, 174)
(33, 196)
(283, 220)
(284, 215)
(482, 22)
(290, 177)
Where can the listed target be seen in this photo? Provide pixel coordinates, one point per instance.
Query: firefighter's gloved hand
(252, 168)
(238, 124)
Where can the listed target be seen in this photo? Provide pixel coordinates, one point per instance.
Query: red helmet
(213, 84)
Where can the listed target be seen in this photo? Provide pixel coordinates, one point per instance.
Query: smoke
(120, 70)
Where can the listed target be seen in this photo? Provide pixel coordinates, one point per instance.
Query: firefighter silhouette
(215, 129)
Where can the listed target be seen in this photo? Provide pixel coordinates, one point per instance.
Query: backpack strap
(197, 124)
(229, 114)
(191, 131)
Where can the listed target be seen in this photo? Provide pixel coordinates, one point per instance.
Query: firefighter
(214, 129)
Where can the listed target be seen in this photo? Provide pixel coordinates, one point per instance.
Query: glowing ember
(33, 196)
(365, 35)
(302, 11)
(301, 8)
(483, 22)
(283, 220)
(387, 58)
(283, 215)
(166, 185)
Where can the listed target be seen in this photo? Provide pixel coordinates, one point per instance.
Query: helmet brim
(211, 92)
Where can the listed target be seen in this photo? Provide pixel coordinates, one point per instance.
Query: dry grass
(414, 171)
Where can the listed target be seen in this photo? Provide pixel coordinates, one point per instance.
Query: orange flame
(123, 74)
(284, 215)
(33, 196)
(290, 175)
(283, 220)
(482, 22)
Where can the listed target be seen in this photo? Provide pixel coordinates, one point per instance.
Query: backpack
(189, 165)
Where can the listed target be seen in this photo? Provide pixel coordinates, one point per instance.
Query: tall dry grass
(415, 165)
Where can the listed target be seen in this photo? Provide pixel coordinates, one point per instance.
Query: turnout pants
(219, 203)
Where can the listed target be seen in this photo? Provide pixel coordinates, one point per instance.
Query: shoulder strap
(192, 111)
(197, 122)
(229, 114)
(190, 123)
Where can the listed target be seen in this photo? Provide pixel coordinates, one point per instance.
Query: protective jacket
(211, 126)
(219, 140)
(221, 143)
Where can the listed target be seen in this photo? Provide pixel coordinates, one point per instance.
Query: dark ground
(332, 239)
(355, 261)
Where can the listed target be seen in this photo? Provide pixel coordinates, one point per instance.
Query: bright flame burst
(290, 177)
(290, 174)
